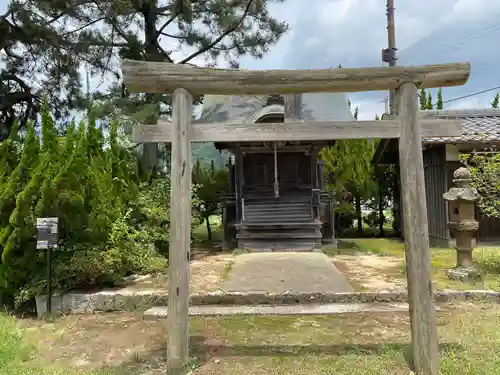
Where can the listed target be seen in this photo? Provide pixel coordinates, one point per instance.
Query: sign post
(47, 238)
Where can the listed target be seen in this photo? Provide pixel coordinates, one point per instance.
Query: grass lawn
(353, 344)
(18, 355)
(200, 233)
(487, 259)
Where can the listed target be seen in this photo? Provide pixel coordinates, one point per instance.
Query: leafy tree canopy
(485, 172)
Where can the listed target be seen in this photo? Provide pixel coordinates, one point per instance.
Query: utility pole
(389, 54)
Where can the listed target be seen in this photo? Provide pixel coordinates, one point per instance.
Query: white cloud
(312, 42)
(472, 10)
(353, 33)
(325, 33)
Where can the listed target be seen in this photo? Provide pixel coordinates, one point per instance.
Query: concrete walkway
(285, 272)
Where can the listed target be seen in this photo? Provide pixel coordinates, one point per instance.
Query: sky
(326, 33)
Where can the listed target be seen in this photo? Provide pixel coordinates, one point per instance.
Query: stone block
(145, 299)
(125, 300)
(41, 305)
(103, 301)
(466, 275)
(77, 303)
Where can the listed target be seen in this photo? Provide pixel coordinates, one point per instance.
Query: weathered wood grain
(293, 107)
(180, 237)
(418, 264)
(161, 77)
(295, 131)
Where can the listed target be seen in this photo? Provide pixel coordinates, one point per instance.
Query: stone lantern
(462, 200)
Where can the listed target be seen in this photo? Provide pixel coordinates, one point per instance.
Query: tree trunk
(381, 214)
(149, 159)
(209, 229)
(359, 215)
(396, 224)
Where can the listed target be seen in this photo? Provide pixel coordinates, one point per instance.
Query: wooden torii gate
(183, 81)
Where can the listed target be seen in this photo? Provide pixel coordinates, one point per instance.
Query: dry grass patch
(209, 265)
(388, 266)
(348, 344)
(208, 270)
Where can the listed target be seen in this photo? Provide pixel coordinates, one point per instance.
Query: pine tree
(210, 32)
(21, 228)
(429, 102)
(423, 99)
(9, 153)
(356, 113)
(439, 102)
(20, 175)
(496, 99)
(211, 183)
(14, 178)
(348, 167)
(88, 181)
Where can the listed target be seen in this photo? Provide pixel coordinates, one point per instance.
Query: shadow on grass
(351, 247)
(155, 361)
(201, 353)
(294, 350)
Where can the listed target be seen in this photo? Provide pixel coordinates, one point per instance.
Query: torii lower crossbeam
(163, 132)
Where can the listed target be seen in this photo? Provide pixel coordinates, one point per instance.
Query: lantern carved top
(463, 191)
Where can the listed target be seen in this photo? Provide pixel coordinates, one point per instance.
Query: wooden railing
(315, 202)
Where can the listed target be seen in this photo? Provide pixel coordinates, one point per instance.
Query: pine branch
(165, 25)
(112, 22)
(83, 27)
(222, 36)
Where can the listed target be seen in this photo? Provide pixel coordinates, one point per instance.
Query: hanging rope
(276, 183)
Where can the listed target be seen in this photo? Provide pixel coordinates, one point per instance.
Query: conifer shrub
(111, 223)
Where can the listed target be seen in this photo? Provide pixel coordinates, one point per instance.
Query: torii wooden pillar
(153, 77)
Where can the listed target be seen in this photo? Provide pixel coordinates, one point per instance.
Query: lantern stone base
(464, 274)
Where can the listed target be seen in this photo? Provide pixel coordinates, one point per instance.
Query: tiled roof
(478, 125)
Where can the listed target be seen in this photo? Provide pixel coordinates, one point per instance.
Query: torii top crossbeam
(158, 77)
(161, 77)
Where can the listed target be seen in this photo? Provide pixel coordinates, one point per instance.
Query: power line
(463, 96)
(472, 94)
(457, 44)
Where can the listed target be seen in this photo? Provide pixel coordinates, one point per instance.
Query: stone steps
(281, 235)
(281, 310)
(285, 244)
(276, 206)
(278, 214)
(283, 224)
(269, 225)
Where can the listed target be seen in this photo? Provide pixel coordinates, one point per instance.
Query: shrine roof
(478, 125)
(247, 109)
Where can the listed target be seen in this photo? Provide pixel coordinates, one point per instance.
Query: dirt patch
(368, 272)
(113, 340)
(345, 344)
(207, 273)
(342, 267)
